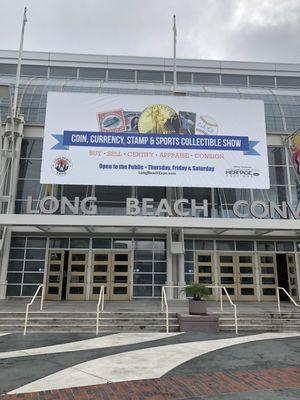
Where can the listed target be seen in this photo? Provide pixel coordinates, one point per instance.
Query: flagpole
(19, 65)
(174, 54)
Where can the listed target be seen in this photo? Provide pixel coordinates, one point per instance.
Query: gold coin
(159, 118)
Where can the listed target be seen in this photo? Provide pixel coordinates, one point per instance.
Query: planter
(198, 323)
(197, 307)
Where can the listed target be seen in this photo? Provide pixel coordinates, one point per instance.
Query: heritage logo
(61, 165)
(241, 172)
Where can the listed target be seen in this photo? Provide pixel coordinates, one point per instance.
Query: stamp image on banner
(111, 121)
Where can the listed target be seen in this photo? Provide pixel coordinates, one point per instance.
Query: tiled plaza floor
(154, 366)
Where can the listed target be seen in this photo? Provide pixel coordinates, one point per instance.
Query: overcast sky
(250, 30)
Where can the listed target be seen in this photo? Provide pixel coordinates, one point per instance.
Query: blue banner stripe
(159, 141)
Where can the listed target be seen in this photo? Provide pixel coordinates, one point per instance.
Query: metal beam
(156, 222)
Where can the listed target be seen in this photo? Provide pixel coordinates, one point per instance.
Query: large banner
(138, 140)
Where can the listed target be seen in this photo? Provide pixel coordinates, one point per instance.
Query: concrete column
(181, 278)
(169, 264)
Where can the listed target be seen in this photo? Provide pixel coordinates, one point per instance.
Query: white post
(278, 299)
(174, 54)
(14, 107)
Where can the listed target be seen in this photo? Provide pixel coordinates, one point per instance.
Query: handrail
(164, 299)
(100, 302)
(278, 297)
(30, 304)
(209, 286)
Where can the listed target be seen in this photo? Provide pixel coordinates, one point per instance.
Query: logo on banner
(61, 165)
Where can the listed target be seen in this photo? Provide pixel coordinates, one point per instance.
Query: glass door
(267, 276)
(204, 269)
(227, 274)
(77, 272)
(100, 274)
(113, 270)
(245, 270)
(55, 274)
(120, 275)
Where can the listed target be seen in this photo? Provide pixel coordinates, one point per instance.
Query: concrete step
(259, 328)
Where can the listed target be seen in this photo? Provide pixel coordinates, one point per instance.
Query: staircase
(86, 322)
(68, 321)
(266, 322)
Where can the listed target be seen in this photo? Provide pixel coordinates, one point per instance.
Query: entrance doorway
(71, 278)
(286, 275)
(113, 270)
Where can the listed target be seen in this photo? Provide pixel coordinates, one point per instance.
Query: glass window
(265, 246)
(244, 245)
(235, 80)
(182, 77)
(13, 290)
(152, 192)
(59, 243)
(122, 244)
(288, 81)
(199, 194)
(34, 70)
(160, 266)
(79, 243)
(143, 255)
(188, 244)
(33, 278)
(37, 266)
(150, 76)
(208, 79)
(35, 254)
(63, 72)
(141, 244)
(141, 279)
(226, 259)
(30, 169)
(32, 148)
(92, 73)
(260, 80)
(189, 256)
(101, 243)
(8, 69)
(189, 268)
(276, 155)
(298, 246)
(142, 267)
(284, 246)
(278, 176)
(29, 290)
(225, 245)
(112, 193)
(17, 241)
(36, 242)
(142, 291)
(15, 265)
(121, 75)
(159, 244)
(16, 254)
(160, 255)
(29, 188)
(14, 277)
(160, 279)
(71, 191)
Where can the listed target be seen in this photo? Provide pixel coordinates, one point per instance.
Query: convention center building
(74, 229)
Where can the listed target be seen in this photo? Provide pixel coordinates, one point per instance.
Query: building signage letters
(179, 208)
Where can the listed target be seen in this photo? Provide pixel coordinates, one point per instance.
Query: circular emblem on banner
(206, 125)
(61, 165)
(159, 118)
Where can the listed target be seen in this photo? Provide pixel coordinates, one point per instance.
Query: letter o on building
(256, 205)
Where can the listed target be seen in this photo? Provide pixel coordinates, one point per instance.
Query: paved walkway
(154, 366)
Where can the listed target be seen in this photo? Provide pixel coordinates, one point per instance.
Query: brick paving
(178, 387)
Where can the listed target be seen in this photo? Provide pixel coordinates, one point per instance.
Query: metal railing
(164, 301)
(100, 302)
(278, 298)
(30, 304)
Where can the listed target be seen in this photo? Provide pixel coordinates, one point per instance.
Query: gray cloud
(257, 30)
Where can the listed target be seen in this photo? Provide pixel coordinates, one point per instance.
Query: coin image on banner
(206, 125)
(111, 121)
(159, 118)
(61, 165)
